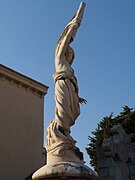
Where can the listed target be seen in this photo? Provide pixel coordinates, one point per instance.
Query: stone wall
(116, 158)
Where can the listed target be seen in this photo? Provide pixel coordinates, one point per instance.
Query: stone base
(66, 171)
(66, 178)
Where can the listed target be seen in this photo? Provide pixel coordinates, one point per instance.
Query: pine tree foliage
(126, 118)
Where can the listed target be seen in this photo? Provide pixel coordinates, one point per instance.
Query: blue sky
(104, 47)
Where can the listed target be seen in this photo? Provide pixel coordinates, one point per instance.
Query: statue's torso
(62, 65)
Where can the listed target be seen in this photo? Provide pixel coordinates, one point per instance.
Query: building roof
(22, 80)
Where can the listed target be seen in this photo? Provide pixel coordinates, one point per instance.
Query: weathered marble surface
(65, 170)
(64, 159)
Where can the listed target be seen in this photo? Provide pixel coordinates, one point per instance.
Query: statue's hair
(73, 55)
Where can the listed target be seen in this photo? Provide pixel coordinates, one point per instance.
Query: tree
(126, 118)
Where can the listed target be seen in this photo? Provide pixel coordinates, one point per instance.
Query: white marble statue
(64, 159)
(66, 91)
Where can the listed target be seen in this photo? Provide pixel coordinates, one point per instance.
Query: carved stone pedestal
(66, 171)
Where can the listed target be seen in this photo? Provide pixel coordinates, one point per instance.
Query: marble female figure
(66, 87)
(64, 159)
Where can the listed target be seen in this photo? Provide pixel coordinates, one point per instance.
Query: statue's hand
(82, 100)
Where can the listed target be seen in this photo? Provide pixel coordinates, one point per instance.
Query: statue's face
(70, 55)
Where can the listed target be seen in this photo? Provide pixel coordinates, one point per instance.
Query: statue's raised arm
(70, 31)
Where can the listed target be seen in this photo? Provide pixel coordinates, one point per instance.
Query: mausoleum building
(21, 125)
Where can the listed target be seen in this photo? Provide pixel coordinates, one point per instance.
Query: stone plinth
(65, 170)
(67, 178)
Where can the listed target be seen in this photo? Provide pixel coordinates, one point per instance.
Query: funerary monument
(64, 159)
(116, 157)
